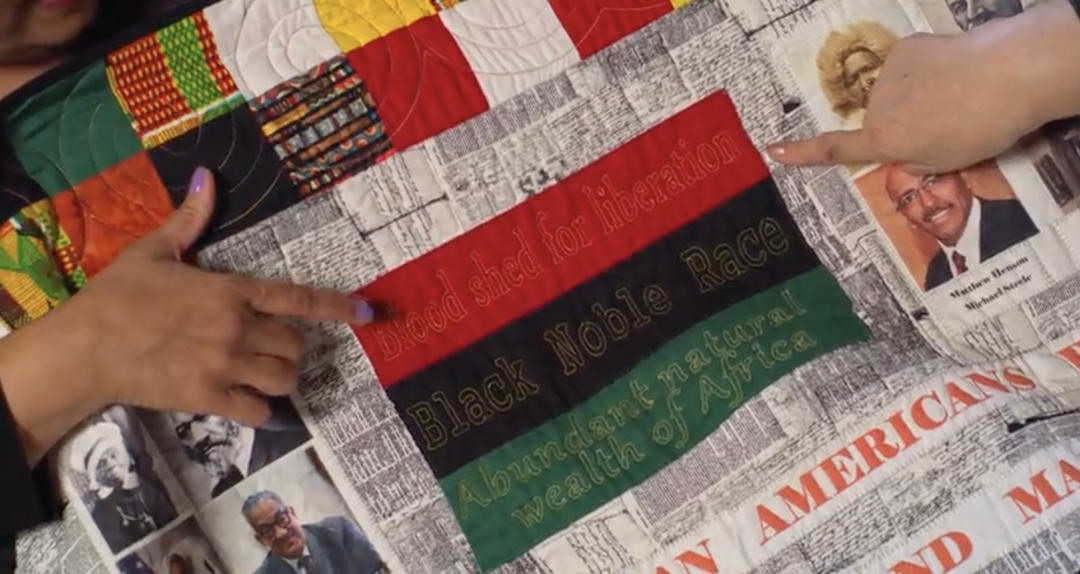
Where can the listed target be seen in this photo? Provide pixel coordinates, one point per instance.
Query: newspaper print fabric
(880, 456)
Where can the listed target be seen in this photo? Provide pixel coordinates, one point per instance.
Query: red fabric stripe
(547, 245)
(596, 24)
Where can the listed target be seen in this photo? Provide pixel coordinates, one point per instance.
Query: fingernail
(363, 311)
(198, 179)
(776, 150)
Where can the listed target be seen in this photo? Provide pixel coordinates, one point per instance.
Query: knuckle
(217, 364)
(231, 326)
(293, 340)
(306, 300)
(830, 150)
(281, 379)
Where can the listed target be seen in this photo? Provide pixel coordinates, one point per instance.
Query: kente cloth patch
(565, 351)
(171, 81)
(323, 125)
(32, 251)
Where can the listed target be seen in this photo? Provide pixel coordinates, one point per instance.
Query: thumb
(180, 231)
(829, 148)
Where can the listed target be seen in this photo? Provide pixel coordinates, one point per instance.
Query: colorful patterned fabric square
(422, 83)
(251, 182)
(323, 125)
(172, 81)
(353, 24)
(31, 281)
(71, 130)
(104, 214)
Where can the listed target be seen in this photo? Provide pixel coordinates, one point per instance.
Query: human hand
(151, 331)
(944, 102)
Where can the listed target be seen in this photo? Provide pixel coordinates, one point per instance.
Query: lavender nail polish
(364, 312)
(198, 180)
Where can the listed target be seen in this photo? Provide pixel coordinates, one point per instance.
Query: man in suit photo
(229, 452)
(334, 545)
(969, 230)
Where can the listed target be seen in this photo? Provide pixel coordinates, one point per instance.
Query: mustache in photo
(206, 445)
(936, 209)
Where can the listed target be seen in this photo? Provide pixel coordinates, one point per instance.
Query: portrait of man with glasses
(968, 229)
(334, 545)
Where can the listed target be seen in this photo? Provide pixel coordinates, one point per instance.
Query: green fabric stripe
(187, 64)
(538, 484)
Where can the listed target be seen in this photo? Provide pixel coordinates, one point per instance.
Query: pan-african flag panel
(560, 354)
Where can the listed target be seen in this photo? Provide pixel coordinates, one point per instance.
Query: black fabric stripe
(522, 340)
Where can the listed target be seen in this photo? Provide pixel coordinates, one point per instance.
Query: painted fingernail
(363, 311)
(199, 179)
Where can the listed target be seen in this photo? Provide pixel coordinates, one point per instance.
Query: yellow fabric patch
(363, 21)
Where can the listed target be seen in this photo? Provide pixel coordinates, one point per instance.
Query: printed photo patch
(323, 125)
(170, 82)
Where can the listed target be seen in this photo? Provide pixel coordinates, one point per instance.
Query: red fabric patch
(554, 241)
(104, 214)
(421, 82)
(596, 24)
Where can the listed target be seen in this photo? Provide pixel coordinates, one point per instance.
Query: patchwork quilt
(592, 276)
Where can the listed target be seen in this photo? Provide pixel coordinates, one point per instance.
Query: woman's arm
(946, 101)
(153, 332)
(47, 393)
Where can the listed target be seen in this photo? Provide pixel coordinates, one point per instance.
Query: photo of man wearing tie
(334, 545)
(968, 229)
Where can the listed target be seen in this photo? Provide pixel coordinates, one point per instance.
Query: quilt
(546, 360)
(602, 294)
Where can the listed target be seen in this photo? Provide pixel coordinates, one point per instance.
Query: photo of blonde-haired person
(836, 57)
(848, 63)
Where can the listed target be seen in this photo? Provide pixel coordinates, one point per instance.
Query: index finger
(308, 303)
(829, 148)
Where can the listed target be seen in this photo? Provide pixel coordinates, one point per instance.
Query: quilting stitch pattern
(301, 133)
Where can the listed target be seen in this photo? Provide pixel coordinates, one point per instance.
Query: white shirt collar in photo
(295, 562)
(968, 244)
(247, 444)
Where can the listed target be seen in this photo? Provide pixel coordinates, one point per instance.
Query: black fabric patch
(17, 189)
(252, 185)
